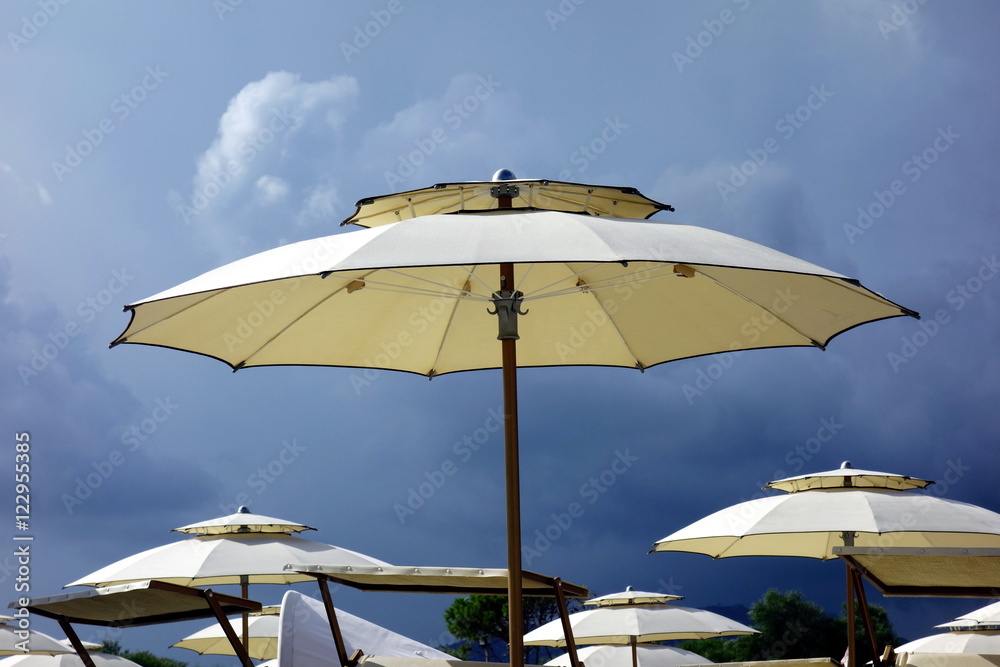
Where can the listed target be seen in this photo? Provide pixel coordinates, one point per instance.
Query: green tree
(482, 619)
(792, 627)
(144, 658)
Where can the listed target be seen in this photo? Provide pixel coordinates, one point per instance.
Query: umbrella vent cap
(504, 175)
(846, 465)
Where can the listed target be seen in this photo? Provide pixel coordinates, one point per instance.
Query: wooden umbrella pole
(245, 591)
(513, 485)
(852, 648)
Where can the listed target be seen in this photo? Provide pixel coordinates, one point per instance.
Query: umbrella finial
(504, 175)
(846, 465)
(243, 510)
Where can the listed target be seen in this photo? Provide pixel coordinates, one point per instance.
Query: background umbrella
(982, 642)
(646, 293)
(984, 618)
(37, 643)
(844, 507)
(631, 618)
(66, 660)
(263, 630)
(242, 548)
(647, 655)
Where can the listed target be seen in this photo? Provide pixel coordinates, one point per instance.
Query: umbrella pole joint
(507, 306)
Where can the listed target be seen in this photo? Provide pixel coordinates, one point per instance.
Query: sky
(145, 143)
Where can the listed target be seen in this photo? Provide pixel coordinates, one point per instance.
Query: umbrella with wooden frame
(646, 292)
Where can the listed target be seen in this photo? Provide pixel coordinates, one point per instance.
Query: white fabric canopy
(983, 642)
(645, 623)
(305, 639)
(647, 655)
(213, 560)
(810, 524)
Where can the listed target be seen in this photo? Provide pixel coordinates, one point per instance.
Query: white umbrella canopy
(215, 560)
(263, 637)
(243, 521)
(624, 625)
(638, 293)
(810, 522)
(632, 597)
(984, 617)
(14, 641)
(647, 655)
(982, 642)
(66, 660)
(419, 295)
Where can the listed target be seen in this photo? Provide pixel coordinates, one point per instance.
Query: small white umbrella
(15, 641)
(648, 655)
(981, 642)
(624, 625)
(263, 630)
(987, 617)
(843, 507)
(242, 548)
(66, 660)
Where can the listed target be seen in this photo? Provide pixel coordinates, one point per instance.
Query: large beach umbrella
(843, 507)
(632, 618)
(418, 291)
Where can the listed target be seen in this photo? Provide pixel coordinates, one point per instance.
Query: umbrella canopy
(631, 597)
(843, 507)
(263, 637)
(648, 655)
(233, 558)
(14, 641)
(987, 617)
(601, 291)
(419, 294)
(243, 521)
(627, 624)
(66, 660)
(982, 642)
(305, 637)
(810, 522)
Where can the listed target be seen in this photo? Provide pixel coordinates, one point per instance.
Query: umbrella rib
(451, 318)
(776, 316)
(603, 284)
(288, 326)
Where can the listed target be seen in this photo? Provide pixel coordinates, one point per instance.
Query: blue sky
(146, 143)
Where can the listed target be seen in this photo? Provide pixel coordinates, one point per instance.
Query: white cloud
(271, 190)
(321, 201)
(263, 115)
